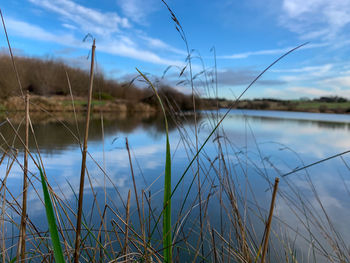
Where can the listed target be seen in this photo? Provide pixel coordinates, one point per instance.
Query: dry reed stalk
(144, 227)
(12, 59)
(102, 217)
(83, 162)
(58, 202)
(219, 168)
(21, 244)
(113, 224)
(149, 214)
(229, 248)
(23, 144)
(133, 180)
(189, 58)
(197, 143)
(268, 225)
(3, 210)
(133, 242)
(21, 249)
(125, 249)
(99, 235)
(200, 241)
(73, 106)
(2, 218)
(102, 222)
(239, 227)
(3, 156)
(214, 245)
(39, 166)
(233, 252)
(150, 249)
(2, 159)
(136, 195)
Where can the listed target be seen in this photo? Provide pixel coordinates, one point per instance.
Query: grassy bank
(59, 103)
(65, 104)
(319, 105)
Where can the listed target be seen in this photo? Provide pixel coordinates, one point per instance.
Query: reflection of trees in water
(333, 125)
(321, 124)
(52, 135)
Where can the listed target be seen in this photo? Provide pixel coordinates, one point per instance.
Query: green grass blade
(57, 250)
(167, 240)
(167, 234)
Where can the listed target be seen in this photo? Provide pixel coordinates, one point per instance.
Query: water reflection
(59, 132)
(258, 146)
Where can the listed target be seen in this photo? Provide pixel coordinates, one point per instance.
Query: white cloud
(332, 79)
(255, 53)
(343, 81)
(322, 68)
(121, 45)
(138, 10)
(24, 29)
(159, 44)
(313, 91)
(316, 18)
(295, 8)
(278, 51)
(112, 31)
(90, 20)
(69, 26)
(329, 79)
(125, 50)
(310, 91)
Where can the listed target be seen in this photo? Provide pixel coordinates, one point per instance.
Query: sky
(228, 42)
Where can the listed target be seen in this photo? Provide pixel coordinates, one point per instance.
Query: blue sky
(247, 36)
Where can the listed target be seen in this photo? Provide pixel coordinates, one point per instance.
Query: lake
(239, 162)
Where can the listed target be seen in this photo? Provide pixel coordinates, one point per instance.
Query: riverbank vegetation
(49, 81)
(49, 89)
(320, 105)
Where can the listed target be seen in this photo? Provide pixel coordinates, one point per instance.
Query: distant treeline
(331, 99)
(48, 77)
(330, 104)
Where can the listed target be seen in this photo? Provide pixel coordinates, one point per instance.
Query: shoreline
(63, 104)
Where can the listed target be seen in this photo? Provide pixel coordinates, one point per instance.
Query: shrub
(322, 108)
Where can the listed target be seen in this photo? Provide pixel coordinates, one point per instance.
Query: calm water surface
(258, 146)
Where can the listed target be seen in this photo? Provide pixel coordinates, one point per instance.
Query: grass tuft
(167, 240)
(57, 250)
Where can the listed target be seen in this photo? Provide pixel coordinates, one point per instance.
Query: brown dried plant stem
(11, 54)
(83, 162)
(136, 196)
(21, 249)
(268, 225)
(125, 248)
